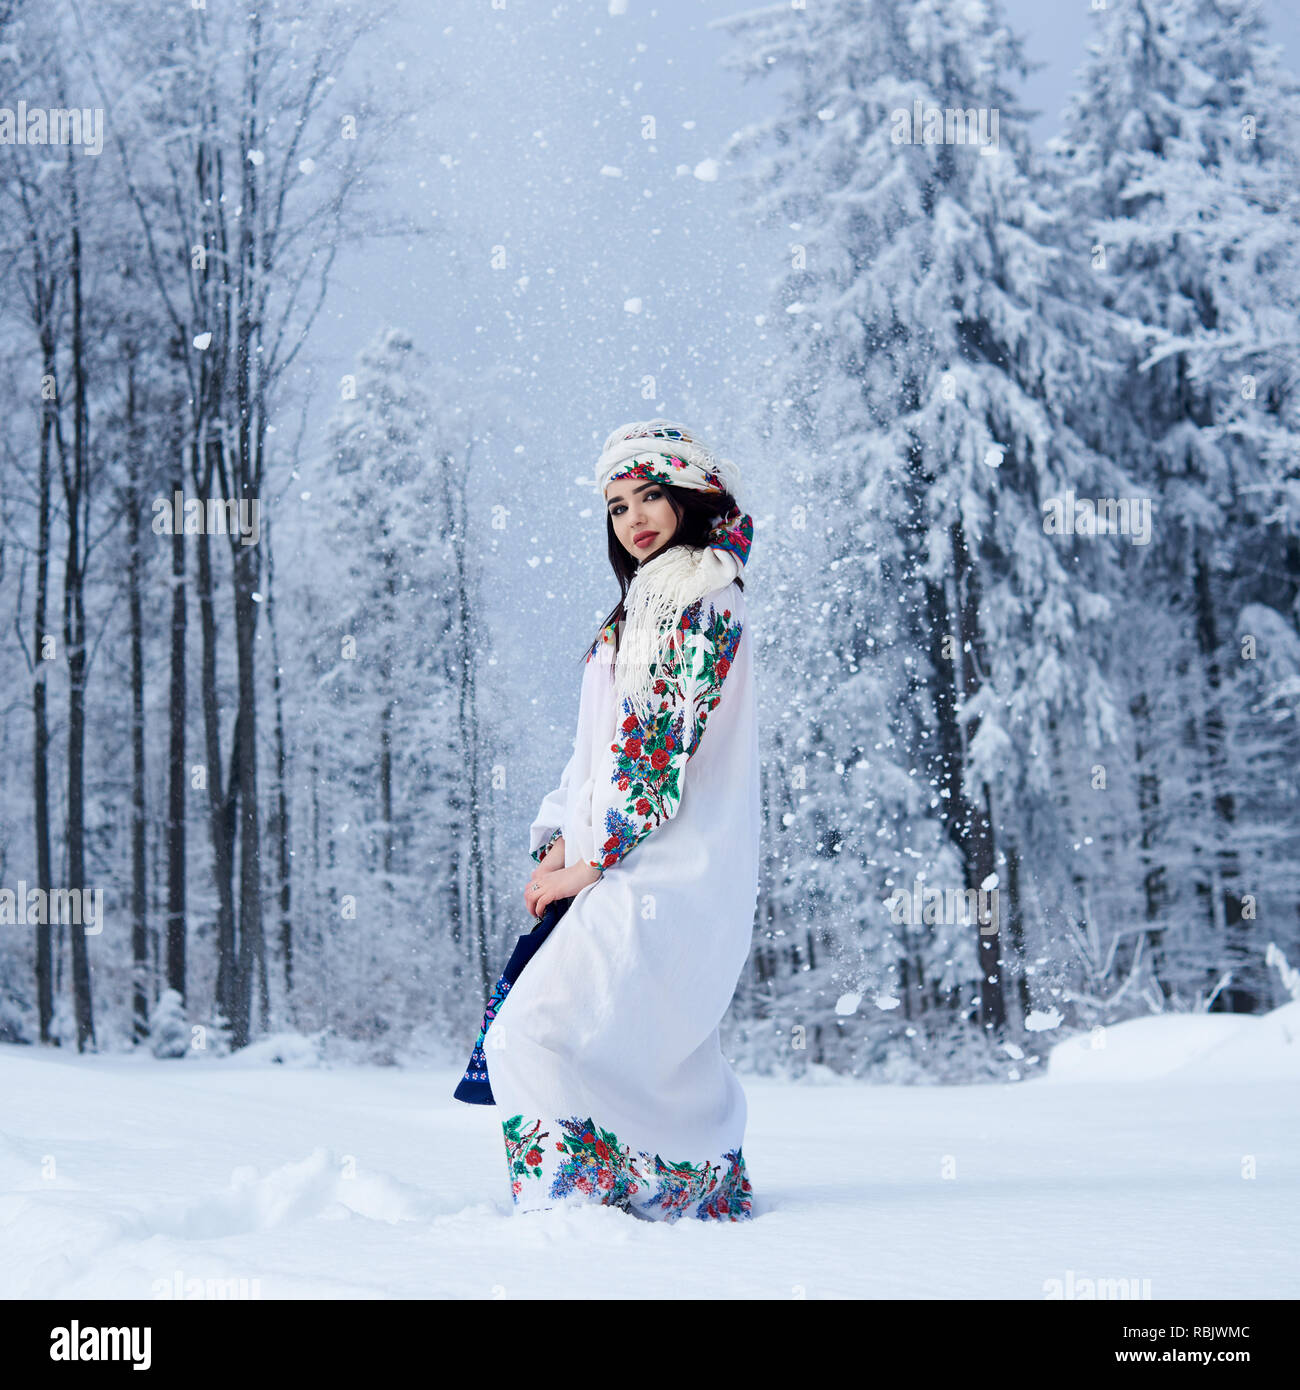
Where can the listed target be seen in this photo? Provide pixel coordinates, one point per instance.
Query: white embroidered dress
(605, 1058)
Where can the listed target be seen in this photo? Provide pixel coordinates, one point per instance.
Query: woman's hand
(551, 862)
(553, 858)
(562, 883)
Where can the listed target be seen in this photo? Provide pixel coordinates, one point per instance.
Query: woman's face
(640, 512)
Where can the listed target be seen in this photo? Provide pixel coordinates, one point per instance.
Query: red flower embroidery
(651, 746)
(533, 1157)
(602, 1148)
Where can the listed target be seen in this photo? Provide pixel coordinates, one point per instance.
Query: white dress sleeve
(548, 825)
(649, 759)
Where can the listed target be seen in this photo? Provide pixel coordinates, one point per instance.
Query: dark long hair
(696, 511)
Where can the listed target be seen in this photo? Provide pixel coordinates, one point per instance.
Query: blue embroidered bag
(474, 1088)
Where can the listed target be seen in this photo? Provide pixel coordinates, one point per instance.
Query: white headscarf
(671, 581)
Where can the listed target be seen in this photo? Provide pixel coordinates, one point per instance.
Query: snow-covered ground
(1171, 1154)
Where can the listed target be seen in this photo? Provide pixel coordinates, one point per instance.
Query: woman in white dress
(604, 1053)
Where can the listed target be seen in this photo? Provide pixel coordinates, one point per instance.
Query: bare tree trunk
(142, 993)
(244, 770)
(1153, 879)
(467, 713)
(770, 909)
(1226, 900)
(386, 787)
(317, 905)
(40, 654)
(250, 414)
(947, 758)
(1016, 927)
(250, 886)
(281, 778)
(176, 972)
(263, 985)
(44, 282)
(977, 829)
(219, 805)
(946, 764)
(77, 495)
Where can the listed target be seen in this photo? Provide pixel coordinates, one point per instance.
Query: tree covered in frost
(381, 709)
(285, 759)
(929, 355)
(399, 828)
(1177, 162)
(168, 287)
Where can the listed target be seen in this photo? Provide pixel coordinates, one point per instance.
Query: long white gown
(605, 1055)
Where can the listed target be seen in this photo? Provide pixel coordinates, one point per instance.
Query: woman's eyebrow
(617, 497)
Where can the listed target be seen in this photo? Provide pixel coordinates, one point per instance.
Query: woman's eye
(653, 495)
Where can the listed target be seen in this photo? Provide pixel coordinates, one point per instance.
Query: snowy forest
(1022, 446)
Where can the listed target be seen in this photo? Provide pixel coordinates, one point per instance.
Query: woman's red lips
(643, 535)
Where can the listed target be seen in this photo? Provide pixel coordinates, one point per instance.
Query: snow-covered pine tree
(384, 745)
(1174, 161)
(924, 376)
(169, 1033)
(847, 813)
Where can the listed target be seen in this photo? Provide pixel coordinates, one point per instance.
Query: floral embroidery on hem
(589, 1163)
(594, 1162)
(523, 1150)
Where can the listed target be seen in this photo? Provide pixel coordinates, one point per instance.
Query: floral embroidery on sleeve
(541, 851)
(650, 757)
(606, 638)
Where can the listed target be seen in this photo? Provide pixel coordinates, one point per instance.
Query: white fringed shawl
(661, 591)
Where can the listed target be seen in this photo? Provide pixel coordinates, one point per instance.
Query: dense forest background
(1025, 590)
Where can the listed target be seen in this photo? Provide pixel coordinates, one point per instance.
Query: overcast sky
(620, 262)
